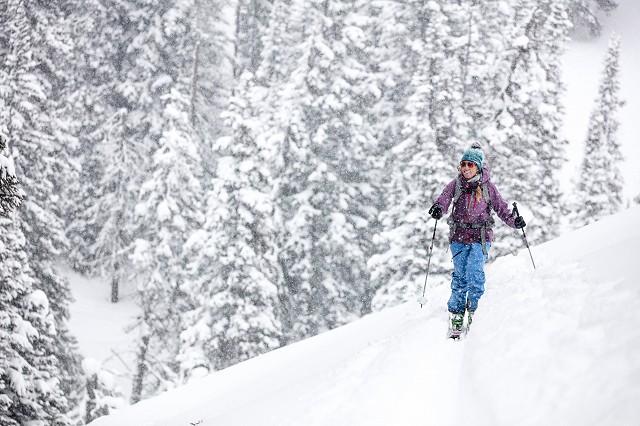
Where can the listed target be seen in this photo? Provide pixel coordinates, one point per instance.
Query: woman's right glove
(520, 223)
(436, 211)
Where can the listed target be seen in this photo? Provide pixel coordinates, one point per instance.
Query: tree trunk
(92, 385)
(115, 284)
(194, 84)
(141, 370)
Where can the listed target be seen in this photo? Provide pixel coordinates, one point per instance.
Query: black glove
(520, 223)
(436, 211)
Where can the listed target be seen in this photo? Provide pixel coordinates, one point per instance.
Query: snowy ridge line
(278, 368)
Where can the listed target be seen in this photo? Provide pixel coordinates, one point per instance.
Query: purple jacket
(470, 210)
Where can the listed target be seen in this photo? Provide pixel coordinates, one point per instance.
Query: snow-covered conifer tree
(586, 15)
(35, 37)
(168, 206)
(452, 83)
(418, 174)
(525, 138)
(252, 20)
(170, 209)
(234, 290)
(600, 183)
(10, 194)
(109, 213)
(108, 124)
(486, 38)
(277, 98)
(281, 48)
(212, 76)
(29, 371)
(407, 227)
(389, 28)
(119, 99)
(329, 202)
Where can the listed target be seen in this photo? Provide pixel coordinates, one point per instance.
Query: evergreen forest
(260, 171)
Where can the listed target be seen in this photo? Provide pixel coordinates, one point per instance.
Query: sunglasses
(467, 164)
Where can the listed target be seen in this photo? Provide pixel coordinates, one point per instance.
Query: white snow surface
(100, 327)
(557, 345)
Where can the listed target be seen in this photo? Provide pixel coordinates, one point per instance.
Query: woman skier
(473, 196)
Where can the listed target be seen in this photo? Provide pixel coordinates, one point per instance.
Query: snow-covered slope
(557, 345)
(100, 325)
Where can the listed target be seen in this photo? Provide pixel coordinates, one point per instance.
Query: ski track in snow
(417, 380)
(396, 383)
(565, 306)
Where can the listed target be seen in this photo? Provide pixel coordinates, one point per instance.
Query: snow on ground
(575, 361)
(556, 345)
(99, 326)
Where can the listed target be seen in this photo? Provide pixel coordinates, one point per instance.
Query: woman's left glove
(520, 223)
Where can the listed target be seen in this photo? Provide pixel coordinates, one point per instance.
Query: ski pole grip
(515, 211)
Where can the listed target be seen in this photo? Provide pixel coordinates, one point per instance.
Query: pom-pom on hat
(474, 154)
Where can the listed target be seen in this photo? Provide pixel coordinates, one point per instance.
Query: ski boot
(470, 318)
(456, 328)
(470, 313)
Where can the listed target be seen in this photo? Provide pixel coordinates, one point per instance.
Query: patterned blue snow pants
(467, 283)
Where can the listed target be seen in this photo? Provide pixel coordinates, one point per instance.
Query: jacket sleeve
(447, 195)
(500, 206)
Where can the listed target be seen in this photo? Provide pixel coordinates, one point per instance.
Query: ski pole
(526, 243)
(423, 300)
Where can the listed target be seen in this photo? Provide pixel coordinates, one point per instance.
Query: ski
(456, 334)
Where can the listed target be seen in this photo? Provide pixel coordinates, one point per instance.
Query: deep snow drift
(556, 345)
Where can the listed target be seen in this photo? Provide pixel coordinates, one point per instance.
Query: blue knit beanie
(474, 155)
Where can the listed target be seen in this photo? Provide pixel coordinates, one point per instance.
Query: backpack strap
(489, 223)
(452, 223)
(457, 193)
(487, 196)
